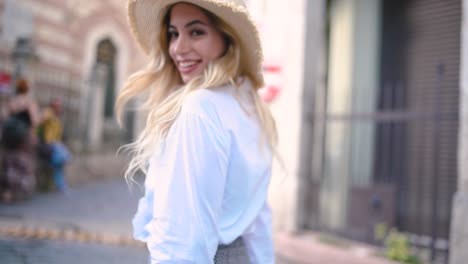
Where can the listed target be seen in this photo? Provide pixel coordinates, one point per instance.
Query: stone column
(95, 109)
(314, 81)
(459, 226)
(353, 63)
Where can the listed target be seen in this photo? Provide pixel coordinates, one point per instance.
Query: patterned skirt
(234, 253)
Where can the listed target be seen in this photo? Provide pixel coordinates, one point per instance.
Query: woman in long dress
(17, 162)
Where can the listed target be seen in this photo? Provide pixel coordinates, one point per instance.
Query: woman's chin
(188, 78)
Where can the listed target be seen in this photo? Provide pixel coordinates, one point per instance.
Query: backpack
(14, 133)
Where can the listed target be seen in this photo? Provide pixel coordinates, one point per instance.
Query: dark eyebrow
(191, 23)
(194, 22)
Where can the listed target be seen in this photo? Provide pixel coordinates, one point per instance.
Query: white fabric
(207, 183)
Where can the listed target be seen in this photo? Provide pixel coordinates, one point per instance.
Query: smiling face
(194, 41)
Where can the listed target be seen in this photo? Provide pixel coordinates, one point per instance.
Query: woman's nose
(181, 45)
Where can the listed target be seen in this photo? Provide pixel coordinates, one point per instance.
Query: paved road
(92, 225)
(104, 208)
(27, 251)
(99, 207)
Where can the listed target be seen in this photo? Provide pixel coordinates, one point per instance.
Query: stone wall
(459, 225)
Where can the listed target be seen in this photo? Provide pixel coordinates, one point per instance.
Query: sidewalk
(101, 213)
(93, 167)
(307, 248)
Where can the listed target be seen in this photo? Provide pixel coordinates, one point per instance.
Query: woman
(206, 148)
(17, 178)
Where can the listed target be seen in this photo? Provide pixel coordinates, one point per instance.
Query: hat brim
(145, 18)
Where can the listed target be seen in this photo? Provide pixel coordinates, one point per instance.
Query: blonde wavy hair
(161, 84)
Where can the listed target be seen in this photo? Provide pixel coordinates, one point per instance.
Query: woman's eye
(197, 32)
(172, 35)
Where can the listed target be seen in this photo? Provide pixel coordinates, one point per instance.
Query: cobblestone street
(23, 251)
(103, 209)
(92, 224)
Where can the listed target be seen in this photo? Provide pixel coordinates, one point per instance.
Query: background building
(84, 54)
(369, 98)
(380, 139)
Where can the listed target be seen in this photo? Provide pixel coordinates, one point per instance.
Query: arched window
(106, 54)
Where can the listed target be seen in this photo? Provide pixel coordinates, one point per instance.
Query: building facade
(84, 53)
(370, 101)
(382, 137)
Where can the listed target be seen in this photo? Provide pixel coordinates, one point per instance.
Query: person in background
(209, 139)
(53, 150)
(3, 111)
(17, 177)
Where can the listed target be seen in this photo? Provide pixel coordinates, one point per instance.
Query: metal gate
(414, 134)
(417, 151)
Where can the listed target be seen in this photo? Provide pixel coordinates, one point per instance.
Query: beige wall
(459, 224)
(281, 24)
(463, 135)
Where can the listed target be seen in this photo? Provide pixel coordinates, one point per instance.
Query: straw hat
(145, 18)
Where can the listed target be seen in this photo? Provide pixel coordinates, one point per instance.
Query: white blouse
(207, 183)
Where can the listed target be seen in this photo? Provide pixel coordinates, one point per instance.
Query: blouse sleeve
(260, 234)
(189, 183)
